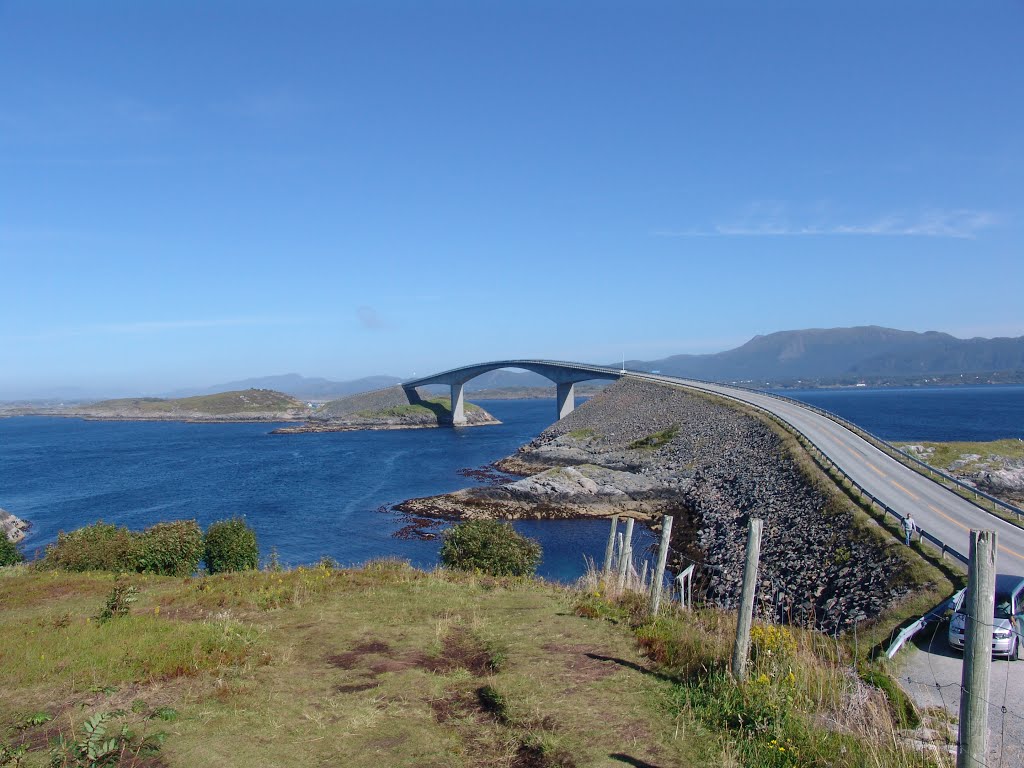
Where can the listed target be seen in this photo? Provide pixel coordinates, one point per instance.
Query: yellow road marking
(875, 468)
(961, 525)
(904, 490)
(954, 522)
(1010, 552)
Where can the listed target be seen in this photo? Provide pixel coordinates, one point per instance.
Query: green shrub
(902, 705)
(97, 547)
(231, 546)
(9, 552)
(655, 440)
(170, 549)
(119, 601)
(491, 547)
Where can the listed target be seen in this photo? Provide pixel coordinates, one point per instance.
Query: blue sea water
(940, 414)
(314, 495)
(307, 495)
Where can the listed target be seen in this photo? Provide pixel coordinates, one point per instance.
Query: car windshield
(1002, 606)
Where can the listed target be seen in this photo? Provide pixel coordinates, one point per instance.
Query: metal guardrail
(889, 447)
(821, 458)
(952, 604)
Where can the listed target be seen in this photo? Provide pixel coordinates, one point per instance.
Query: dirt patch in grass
(460, 649)
(582, 664)
(458, 704)
(356, 687)
(398, 665)
(348, 660)
(535, 756)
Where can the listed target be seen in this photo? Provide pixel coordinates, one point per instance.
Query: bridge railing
(827, 465)
(899, 454)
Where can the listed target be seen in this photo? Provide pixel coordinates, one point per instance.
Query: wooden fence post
(659, 570)
(625, 553)
(739, 653)
(979, 604)
(609, 550)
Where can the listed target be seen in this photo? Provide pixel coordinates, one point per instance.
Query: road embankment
(645, 449)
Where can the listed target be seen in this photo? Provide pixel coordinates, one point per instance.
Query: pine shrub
(490, 546)
(231, 546)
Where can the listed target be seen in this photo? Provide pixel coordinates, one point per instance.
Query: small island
(239, 406)
(390, 408)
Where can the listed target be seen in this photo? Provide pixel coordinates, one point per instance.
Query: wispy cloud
(959, 223)
(146, 327)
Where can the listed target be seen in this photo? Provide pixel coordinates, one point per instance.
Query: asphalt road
(935, 509)
(931, 673)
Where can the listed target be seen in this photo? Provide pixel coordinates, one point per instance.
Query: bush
(9, 552)
(491, 547)
(231, 546)
(97, 547)
(170, 549)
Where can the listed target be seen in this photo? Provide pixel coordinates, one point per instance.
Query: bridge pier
(566, 394)
(458, 405)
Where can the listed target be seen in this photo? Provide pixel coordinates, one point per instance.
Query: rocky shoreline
(643, 450)
(313, 427)
(997, 468)
(14, 528)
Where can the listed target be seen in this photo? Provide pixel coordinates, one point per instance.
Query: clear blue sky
(197, 192)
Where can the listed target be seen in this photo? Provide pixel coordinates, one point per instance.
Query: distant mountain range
(813, 357)
(311, 388)
(849, 355)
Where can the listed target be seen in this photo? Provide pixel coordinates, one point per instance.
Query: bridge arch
(564, 375)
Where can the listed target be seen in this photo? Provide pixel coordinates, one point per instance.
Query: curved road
(936, 509)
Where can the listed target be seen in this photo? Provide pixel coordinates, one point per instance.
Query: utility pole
(659, 571)
(972, 747)
(739, 653)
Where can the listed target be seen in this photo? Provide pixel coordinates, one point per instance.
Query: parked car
(1007, 621)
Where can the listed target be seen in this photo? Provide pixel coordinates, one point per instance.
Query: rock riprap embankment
(391, 408)
(645, 449)
(12, 527)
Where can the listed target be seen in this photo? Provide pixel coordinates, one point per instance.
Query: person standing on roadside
(909, 526)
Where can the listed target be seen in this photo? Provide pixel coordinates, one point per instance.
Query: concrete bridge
(564, 375)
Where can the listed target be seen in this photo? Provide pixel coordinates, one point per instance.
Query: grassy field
(391, 666)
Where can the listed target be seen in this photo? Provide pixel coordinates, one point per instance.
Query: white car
(1007, 621)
